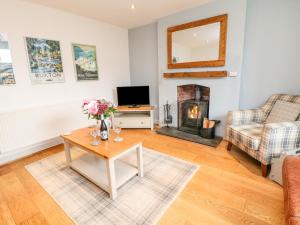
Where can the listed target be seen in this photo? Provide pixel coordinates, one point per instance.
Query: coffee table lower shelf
(94, 168)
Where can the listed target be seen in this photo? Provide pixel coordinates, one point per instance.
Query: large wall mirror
(201, 43)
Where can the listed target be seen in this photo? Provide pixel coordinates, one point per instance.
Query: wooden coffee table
(102, 164)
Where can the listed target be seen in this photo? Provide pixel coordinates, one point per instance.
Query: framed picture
(85, 61)
(45, 61)
(6, 70)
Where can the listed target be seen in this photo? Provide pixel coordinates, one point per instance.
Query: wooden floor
(227, 189)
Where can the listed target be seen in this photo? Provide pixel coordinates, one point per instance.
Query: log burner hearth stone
(174, 132)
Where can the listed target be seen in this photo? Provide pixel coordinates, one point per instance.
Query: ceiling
(119, 12)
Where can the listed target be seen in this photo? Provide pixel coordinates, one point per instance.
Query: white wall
(272, 47)
(143, 59)
(32, 114)
(224, 91)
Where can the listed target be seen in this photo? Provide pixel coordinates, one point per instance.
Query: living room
(149, 112)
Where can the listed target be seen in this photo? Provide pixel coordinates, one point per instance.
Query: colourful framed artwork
(45, 62)
(6, 70)
(85, 61)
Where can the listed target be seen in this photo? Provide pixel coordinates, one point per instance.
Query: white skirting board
(18, 153)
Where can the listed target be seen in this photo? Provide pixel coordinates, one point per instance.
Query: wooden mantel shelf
(204, 74)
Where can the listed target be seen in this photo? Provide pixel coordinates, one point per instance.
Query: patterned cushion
(283, 111)
(267, 107)
(248, 135)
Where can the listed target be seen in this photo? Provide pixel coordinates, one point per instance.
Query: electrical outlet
(233, 74)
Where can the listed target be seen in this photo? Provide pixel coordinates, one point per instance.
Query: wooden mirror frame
(222, 45)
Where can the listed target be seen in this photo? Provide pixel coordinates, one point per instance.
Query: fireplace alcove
(193, 106)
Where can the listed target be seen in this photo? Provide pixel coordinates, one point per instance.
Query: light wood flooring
(227, 189)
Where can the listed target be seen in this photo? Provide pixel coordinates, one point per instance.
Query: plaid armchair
(247, 131)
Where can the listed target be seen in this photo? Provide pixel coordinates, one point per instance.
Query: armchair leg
(264, 170)
(229, 146)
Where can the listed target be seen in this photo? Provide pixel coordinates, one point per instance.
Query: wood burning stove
(193, 107)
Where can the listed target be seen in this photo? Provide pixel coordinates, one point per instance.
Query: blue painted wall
(263, 46)
(143, 59)
(272, 51)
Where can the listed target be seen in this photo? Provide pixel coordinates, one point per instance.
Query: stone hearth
(174, 132)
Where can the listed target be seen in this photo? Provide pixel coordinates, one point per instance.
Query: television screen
(135, 95)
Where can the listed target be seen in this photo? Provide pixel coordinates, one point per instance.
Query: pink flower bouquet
(95, 108)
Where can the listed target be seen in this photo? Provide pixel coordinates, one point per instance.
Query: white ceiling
(119, 13)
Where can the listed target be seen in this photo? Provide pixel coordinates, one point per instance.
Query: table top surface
(106, 149)
(140, 108)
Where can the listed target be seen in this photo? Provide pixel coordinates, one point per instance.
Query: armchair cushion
(267, 107)
(283, 112)
(246, 135)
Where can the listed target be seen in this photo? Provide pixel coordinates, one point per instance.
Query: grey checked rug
(141, 201)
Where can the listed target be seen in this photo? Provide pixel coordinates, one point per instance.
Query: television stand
(129, 117)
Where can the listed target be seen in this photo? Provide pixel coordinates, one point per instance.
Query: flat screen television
(133, 96)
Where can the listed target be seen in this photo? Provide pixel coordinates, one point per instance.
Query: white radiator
(22, 131)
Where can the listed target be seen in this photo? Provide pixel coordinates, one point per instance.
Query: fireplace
(193, 107)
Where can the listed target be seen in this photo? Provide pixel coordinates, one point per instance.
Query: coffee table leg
(140, 160)
(67, 153)
(110, 165)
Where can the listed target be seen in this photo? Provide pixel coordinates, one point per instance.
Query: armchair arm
(278, 138)
(238, 117)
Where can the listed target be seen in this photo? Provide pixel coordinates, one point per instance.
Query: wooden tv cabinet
(140, 117)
